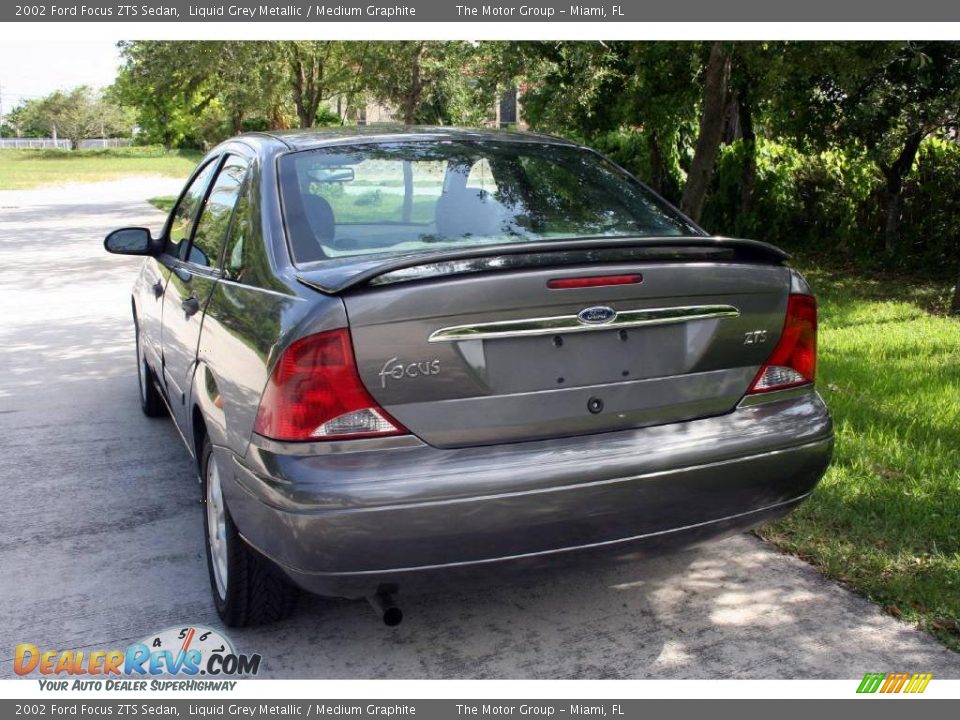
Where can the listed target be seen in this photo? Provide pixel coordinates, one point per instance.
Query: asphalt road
(101, 534)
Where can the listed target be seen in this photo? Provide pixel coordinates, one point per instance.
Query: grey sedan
(419, 354)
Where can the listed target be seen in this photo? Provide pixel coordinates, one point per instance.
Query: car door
(193, 275)
(155, 272)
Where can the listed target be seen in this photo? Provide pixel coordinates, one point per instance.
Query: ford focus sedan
(418, 355)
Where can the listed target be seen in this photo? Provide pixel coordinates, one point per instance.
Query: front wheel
(247, 588)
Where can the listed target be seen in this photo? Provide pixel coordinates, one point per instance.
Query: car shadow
(730, 609)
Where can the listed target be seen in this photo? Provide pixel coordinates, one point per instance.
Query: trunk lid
(475, 358)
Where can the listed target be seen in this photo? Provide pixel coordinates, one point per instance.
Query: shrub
(133, 151)
(830, 204)
(796, 199)
(930, 229)
(630, 150)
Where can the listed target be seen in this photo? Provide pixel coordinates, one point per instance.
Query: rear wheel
(247, 588)
(150, 401)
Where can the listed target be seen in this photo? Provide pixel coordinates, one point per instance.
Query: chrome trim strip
(560, 324)
(775, 395)
(335, 447)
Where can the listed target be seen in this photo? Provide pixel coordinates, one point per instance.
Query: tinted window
(186, 212)
(215, 219)
(378, 198)
(240, 238)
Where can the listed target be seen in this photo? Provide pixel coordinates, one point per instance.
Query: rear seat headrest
(467, 211)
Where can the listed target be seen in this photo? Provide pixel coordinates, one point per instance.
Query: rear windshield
(405, 196)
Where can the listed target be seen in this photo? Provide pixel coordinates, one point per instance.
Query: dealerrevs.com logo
(184, 652)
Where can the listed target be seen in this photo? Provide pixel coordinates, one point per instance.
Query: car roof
(306, 139)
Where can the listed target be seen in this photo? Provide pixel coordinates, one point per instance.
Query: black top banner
(466, 11)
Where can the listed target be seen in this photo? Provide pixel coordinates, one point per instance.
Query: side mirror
(130, 241)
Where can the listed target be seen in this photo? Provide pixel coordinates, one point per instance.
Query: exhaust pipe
(385, 607)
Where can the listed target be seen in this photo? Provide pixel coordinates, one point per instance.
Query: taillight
(794, 359)
(315, 393)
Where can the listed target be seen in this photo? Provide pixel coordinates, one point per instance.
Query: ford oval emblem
(597, 315)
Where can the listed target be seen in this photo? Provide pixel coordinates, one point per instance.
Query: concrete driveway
(101, 541)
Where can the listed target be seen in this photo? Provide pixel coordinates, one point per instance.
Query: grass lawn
(164, 202)
(885, 521)
(22, 169)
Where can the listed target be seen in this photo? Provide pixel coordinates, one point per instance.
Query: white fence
(60, 143)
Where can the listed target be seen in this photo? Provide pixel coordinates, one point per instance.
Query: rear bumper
(344, 524)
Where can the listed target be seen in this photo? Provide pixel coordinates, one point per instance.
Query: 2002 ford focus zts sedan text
(420, 353)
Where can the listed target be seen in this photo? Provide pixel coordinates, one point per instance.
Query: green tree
(200, 92)
(322, 71)
(25, 120)
(171, 85)
(75, 114)
(429, 82)
(570, 88)
(885, 97)
(713, 105)
(609, 94)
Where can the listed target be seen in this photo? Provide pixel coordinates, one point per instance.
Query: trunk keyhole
(595, 405)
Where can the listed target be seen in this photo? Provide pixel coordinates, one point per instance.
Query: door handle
(157, 289)
(191, 306)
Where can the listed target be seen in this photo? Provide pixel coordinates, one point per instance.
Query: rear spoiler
(336, 275)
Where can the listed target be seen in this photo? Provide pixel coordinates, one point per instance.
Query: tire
(247, 588)
(150, 401)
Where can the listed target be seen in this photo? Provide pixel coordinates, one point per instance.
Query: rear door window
(239, 241)
(217, 212)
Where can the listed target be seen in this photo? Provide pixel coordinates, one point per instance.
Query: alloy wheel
(216, 527)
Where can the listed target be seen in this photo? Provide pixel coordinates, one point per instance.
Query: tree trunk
(893, 199)
(656, 162)
(296, 86)
(894, 175)
(749, 176)
(276, 119)
(307, 86)
(412, 101)
(955, 305)
(661, 179)
(301, 94)
(712, 116)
